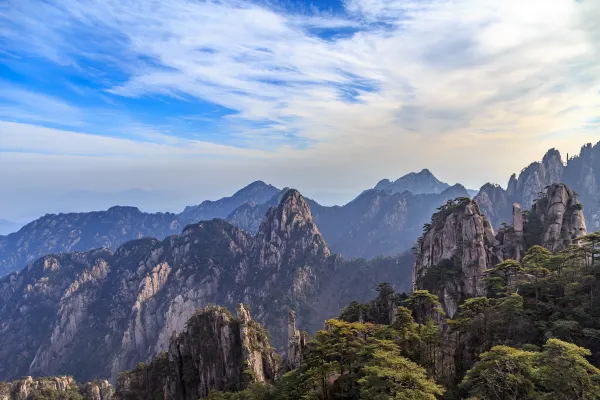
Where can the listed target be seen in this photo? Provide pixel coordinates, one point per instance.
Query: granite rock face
(215, 351)
(456, 245)
(59, 387)
(94, 314)
(460, 245)
(561, 216)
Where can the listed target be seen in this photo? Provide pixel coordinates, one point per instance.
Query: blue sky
(197, 98)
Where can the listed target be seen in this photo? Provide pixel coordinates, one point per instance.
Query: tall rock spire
(289, 234)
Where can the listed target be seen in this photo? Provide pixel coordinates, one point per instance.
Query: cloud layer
(473, 89)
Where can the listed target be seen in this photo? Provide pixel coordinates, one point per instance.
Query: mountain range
(96, 313)
(375, 223)
(385, 220)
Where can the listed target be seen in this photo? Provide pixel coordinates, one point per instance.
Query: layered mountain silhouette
(375, 223)
(96, 313)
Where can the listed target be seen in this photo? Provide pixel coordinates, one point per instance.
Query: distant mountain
(257, 192)
(55, 233)
(94, 314)
(423, 182)
(581, 173)
(375, 223)
(7, 227)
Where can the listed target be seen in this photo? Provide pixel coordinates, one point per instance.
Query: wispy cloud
(374, 80)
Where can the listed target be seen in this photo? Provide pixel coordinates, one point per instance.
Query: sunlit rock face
(460, 245)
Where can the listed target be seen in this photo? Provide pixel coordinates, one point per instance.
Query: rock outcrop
(214, 352)
(94, 314)
(460, 245)
(59, 387)
(561, 217)
(453, 254)
(297, 342)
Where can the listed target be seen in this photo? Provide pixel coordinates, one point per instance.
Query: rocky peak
(455, 245)
(289, 233)
(214, 352)
(297, 342)
(561, 217)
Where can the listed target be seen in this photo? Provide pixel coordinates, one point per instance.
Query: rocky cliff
(452, 254)
(60, 387)
(580, 172)
(561, 218)
(93, 314)
(459, 244)
(215, 351)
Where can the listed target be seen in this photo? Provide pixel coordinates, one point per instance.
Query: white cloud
(472, 88)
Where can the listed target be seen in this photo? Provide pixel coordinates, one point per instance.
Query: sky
(188, 100)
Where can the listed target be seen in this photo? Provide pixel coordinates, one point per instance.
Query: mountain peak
(422, 182)
(288, 232)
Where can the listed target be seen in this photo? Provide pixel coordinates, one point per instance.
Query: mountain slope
(7, 227)
(54, 233)
(257, 192)
(93, 314)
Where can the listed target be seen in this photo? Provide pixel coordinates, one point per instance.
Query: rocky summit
(459, 246)
(94, 314)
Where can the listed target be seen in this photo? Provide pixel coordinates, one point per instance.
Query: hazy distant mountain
(54, 233)
(415, 182)
(7, 227)
(257, 192)
(375, 223)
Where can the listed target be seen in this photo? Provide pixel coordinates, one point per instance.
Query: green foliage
(559, 372)
(353, 360)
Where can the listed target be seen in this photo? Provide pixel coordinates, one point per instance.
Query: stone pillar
(517, 217)
(295, 343)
